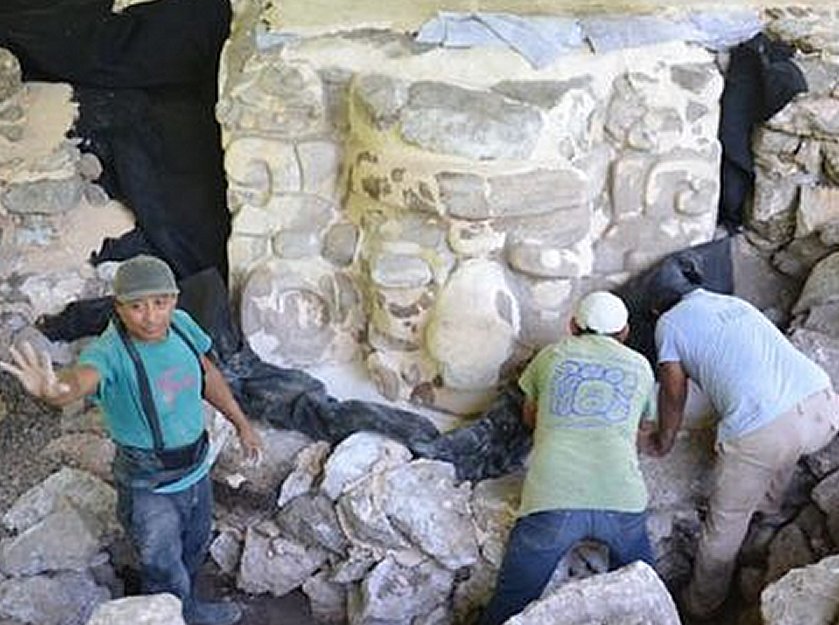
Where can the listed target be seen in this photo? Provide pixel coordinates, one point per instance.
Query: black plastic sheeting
(643, 292)
(492, 445)
(760, 80)
(145, 80)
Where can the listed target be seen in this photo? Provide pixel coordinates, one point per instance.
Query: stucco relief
(464, 215)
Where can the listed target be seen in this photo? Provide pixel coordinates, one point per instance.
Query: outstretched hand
(35, 372)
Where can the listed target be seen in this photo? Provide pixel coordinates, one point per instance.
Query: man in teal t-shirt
(149, 371)
(584, 397)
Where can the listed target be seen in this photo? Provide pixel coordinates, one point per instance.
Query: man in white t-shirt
(774, 405)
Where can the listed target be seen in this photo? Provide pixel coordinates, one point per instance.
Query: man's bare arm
(218, 393)
(672, 394)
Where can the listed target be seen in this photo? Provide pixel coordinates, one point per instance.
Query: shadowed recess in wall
(145, 80)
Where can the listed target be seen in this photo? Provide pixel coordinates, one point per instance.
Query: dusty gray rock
(633, 594)
(163, 609)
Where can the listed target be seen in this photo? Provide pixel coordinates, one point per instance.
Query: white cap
(601, 312)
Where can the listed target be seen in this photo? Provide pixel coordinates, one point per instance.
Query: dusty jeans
(538, 542)
(171, 533)
(752, 473)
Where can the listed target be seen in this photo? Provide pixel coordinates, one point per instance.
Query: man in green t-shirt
(584, 397)
(149, 371)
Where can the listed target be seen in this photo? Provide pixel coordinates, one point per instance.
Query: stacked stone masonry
(395, 205)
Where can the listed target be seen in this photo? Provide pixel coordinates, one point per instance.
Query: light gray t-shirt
(747, 367)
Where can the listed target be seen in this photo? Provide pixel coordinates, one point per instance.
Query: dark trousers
(539, 541)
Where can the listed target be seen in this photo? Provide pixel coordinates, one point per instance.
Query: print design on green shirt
(590, 394)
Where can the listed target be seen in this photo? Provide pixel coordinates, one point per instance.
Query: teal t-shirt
(591, 392)
(175, 377)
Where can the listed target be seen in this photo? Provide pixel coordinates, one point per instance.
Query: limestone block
(381, 98)
(400, 375)
(475, 238)
(226, 550)
(310, 519)
(258, 168)
(253, 221)
(545, 261)
(72, 487)
(340, 242)
(308, 466)
(831, 161)
(624, 246)
(296, 244)
(474, 124)
(632, 594)
(535, 192)
(810, 117)
(472, 594)
(10, 75)
(821, 287)
(544, 94)
(817, 207)
(12, 91)
(684, 183)
(402, 314)
(772, 212)
(320, 162)
(161, 609)
(364, 521)
(66, 598)
(545, 308)
(494, 506)
(298, 211)
(789, 550)
(400, 271)
(573, 115)
(358, 456)
(821, 73)
(473, 325)
(44, 197)
(273, 564)
(86, 451)
(327, 600)
(396, 593)
(274, 96)
(808, 28)
(280, 449)
(63, 541)
(823, 349)
(636, 119)
(695, 77)
(292, 311)
(807, 595)
(420, 498)
(246, 252)
(50, 292)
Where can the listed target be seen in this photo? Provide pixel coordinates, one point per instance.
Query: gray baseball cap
(142, 276)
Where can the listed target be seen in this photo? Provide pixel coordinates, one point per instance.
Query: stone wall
(52, 213)
(436, 211)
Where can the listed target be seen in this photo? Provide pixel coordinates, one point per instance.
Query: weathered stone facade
(393, 204)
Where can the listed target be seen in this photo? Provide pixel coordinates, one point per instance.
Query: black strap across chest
(146, 397)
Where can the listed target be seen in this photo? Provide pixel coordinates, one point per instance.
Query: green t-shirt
(591, 392)
(174, 375)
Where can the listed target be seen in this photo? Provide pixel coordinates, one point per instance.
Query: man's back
(591, 392)
(750, 371)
